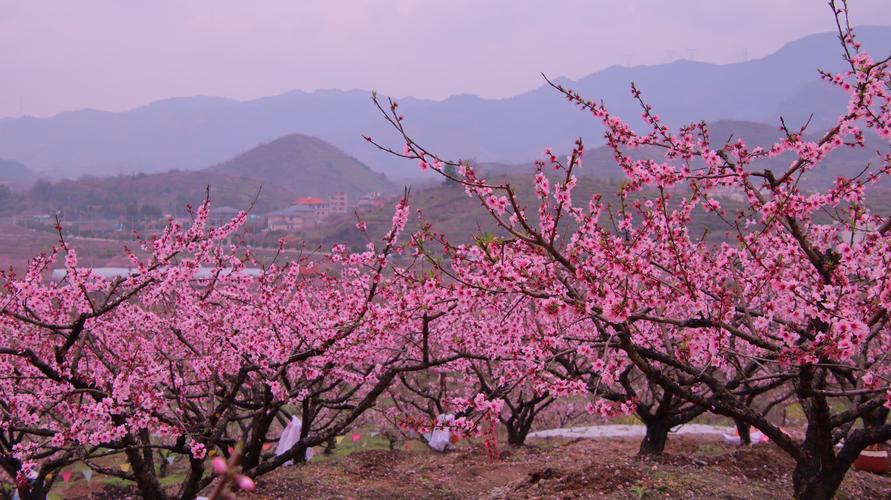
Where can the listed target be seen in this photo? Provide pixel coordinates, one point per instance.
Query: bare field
(693, 467)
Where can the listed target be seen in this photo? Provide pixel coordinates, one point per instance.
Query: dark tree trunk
(253, 450)
(300, 454)
(146, 480)
(516, 434)
(811, 481)
(519, 424)
(307, 417)
(657, 435)
(875, 418)
(34, 491)
(745, 432)
(818, 470)
(192, 485)
(522, 415)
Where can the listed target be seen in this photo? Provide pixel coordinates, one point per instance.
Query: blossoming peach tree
(507, 366)
(802, 285)
(172, 361)
(96, 366)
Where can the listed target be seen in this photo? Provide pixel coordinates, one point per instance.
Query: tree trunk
(810, 481)
(875, 418)
(192, 485)
(657, 435)
(35, 491)
(516, 435)
(300, 453)
(745, 432)
(146, 480)
(253, 450)
(818, 470)
(518, 427)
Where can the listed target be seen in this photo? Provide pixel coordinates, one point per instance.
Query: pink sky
(114, 55)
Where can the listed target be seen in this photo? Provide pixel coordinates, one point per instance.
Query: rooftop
(309, 200)
(293, 210)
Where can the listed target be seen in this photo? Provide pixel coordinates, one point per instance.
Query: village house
(335, 205)
(293, 218)
(318, 205)
(305, 212)
(369, 202)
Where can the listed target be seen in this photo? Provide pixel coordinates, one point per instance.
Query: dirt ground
(693, 467)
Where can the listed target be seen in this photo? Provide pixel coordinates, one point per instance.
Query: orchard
(616, 309)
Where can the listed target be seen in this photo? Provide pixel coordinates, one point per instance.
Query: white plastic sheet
(289, 436)
(441, 437)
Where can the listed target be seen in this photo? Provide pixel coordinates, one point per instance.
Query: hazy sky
(114, 55)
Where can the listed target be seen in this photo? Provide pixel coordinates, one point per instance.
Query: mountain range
(15, 174)
(192, 132)
(279, 172)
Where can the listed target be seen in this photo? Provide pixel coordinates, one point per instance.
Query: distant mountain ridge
(279, 171)
(14, 174)
(192, 132)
